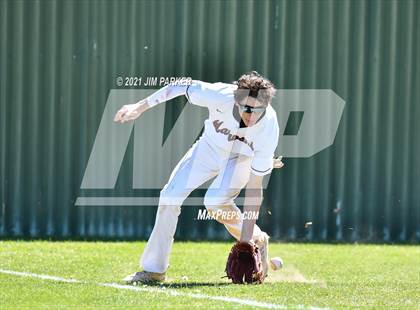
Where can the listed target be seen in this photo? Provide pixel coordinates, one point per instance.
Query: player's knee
(170, 198)
(172, 209)
(216, 199)
(168, 203)
(223, 213)
(212, 203)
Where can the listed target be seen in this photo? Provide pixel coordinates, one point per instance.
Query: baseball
(276, 263)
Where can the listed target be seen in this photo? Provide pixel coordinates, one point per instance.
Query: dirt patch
(291, 274)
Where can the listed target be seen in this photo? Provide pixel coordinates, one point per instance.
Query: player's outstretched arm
(130, 112)
(252, 204)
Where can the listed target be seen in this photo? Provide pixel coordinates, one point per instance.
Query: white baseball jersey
(222, 129)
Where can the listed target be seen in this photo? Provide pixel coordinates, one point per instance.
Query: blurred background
(60, 59)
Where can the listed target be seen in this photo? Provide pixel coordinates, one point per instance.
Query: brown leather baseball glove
(244, 264)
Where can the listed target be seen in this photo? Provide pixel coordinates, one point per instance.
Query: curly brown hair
(257, 87)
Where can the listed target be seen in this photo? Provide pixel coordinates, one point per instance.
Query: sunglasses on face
(244, 108)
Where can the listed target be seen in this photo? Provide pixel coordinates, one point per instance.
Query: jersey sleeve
(166, 93)
(208, 94)
(262, 163)
(199, 93)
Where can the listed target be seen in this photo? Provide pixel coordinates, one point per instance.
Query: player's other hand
(277, 163)
(129, 112)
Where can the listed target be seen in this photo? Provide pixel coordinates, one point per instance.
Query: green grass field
(315, 275)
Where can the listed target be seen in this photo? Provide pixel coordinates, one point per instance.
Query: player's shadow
(189, 284)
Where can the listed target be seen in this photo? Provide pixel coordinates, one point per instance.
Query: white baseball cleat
(145, 277)
(262, 244)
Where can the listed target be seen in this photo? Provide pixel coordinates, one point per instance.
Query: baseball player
(236, 149)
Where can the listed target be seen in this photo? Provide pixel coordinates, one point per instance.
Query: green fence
(59, 60)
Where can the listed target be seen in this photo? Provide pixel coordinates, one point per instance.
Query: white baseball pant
(201, 163)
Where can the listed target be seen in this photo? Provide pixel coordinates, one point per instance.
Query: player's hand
(129, 112)
(277, 163)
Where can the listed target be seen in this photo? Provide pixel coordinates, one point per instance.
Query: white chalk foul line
(246, 302)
